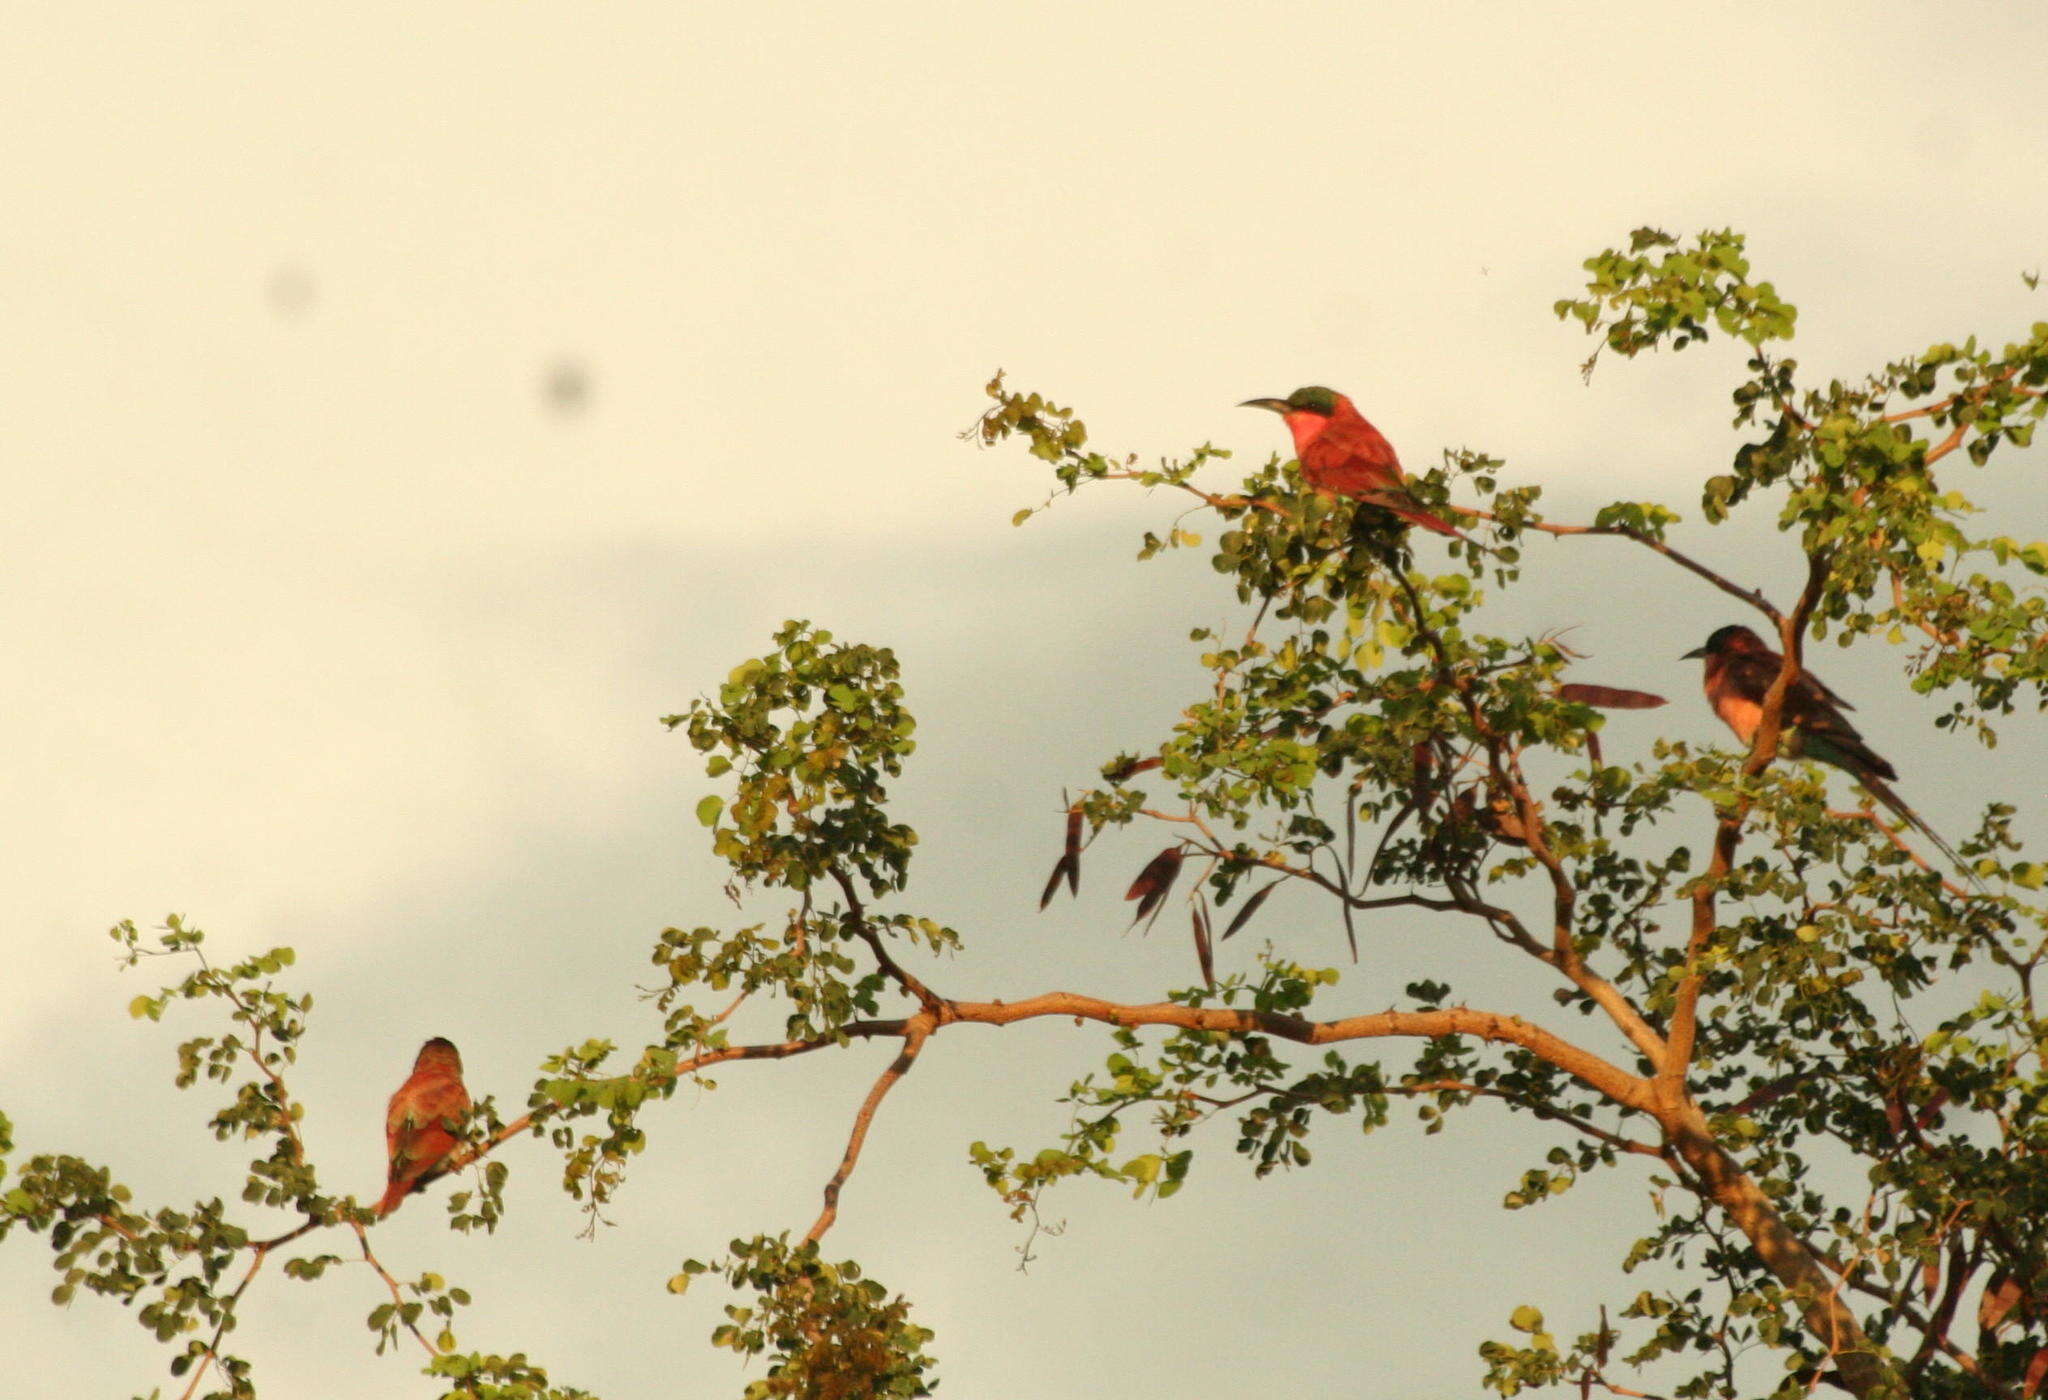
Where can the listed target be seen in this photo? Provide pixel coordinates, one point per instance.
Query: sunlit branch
(775, 1050)
(917, 1030)
(1615, 1083)
(1939, 636)
(1921, 1323)
(1970, 395)
(1599, 1379)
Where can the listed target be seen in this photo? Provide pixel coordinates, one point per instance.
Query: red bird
(1343, 455)
(423, 1124)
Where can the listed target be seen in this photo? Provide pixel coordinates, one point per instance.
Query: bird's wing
(1750, 673)
(1812, 706)
(1828, 691)
(1808, 704)
(398, 1120)
(1824, 733)
(419, 1127)
(1351, 457)
(1810, 692)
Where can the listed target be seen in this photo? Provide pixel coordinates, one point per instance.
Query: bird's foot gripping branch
(1819, 1048)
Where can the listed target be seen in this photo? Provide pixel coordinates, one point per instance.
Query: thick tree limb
(1787, 1256)
(1615, 1083)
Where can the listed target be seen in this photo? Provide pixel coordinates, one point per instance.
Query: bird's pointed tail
(1882, 791)
(1405, 506)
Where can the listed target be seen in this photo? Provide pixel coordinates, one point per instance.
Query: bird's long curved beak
(1696, 654)
(1271, 405)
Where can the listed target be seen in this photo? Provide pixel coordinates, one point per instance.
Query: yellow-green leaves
(810, 734)
(824, 1329)
(1662, 291)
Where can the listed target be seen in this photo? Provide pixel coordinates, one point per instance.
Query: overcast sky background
(405, 406)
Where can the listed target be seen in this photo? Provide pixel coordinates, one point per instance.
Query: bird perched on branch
(423, 1124)
(1343, 455)
(1740, 672)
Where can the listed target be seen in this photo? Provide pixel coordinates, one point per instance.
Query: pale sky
(326, 625)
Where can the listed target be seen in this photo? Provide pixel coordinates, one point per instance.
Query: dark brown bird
(1739, 674)
(423, 1124)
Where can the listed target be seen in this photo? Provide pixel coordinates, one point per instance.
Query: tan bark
(1782, 1252)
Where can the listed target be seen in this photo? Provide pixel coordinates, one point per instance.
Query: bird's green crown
(1313, 398)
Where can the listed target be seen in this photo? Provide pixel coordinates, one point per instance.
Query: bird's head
(1312, 401)
(439, 1053)
(1732, 640)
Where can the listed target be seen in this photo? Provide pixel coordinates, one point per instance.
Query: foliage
(1754, 986)
(834, 1334)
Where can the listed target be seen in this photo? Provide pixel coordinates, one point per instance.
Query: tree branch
(227, 1320)
(890, 968)
(1540, 1110)
(1722, 1181)
(397, 1298)
(1753, 597)
(1615, 1083)
(916, 1031)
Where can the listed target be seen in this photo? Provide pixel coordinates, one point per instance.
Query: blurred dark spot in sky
(565, 388)
(290, 291)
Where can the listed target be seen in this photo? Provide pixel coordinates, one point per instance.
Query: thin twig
(397, 1298)
(1869, 814)
(1972, 394)
(1570, 1120)
(227, 1319)
(1209, 497)
(857, 912)
(1753, 597)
